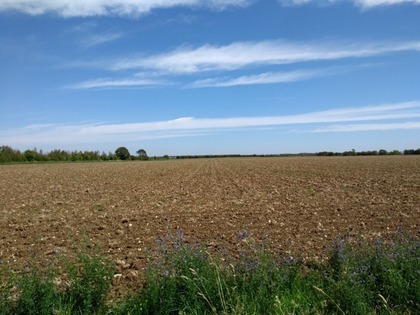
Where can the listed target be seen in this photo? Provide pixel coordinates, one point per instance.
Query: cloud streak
(268, 78)
(236, 56)
(364, 4)
(87, 8)
(370, 127)
(190, 126)
(84, 8)
(368, 4)
(239, 55)
(256, 79)
(107, 83)
(96, 40)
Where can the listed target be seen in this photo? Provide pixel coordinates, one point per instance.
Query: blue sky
(210, 76)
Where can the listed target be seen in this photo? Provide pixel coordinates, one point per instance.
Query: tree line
(323, 153)
(8, 154)
(362, 153)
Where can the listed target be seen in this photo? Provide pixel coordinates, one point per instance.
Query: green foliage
(10, 155)
(407, 152)
(382, 276)
(353, 280)
(377, 278)
(122, 153)
(31, 155)
(35, 291)
(7, 155)
(28, 292)
(90, 281)
(142, 155)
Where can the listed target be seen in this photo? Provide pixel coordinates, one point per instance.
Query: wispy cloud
(99, 39)
(189, 126)
(85, 8)
(370, 127)
(267, 78)
(107, 83)
(187, 62)
(364, 4)
(238, 55)
(262, 78)
(368, 4)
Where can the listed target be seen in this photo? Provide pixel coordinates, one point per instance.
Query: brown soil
(302, 204)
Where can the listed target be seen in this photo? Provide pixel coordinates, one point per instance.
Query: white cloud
(294, 2)
(380, 112)
(265, 78)
(365, 4)
(105, 83)
(370, 127)
(99, 39)
(244, 54)
(188, 126)
(85, 8)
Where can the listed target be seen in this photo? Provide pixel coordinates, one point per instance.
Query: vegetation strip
(186, 279)
(10, 155)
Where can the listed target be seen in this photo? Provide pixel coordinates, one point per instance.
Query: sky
(210, 76)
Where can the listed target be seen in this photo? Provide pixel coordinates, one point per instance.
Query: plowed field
(302, 204)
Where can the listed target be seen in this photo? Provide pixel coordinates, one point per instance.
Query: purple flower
(243, 235)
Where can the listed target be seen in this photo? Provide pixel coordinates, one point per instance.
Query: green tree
(142, 154)
(32, 155)
(104, 157)
(122, 153)
(8, 154)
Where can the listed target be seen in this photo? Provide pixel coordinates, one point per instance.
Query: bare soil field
(301, 204)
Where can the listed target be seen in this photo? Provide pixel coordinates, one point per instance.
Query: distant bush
(407, 152)
(7, 155)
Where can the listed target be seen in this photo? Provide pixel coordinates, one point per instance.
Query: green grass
(81, 289)
(377, 278)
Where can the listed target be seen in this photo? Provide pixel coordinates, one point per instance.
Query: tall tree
(122, 153)
(142, 154)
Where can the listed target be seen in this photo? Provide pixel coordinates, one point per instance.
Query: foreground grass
(82, 289)
(380, 278)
